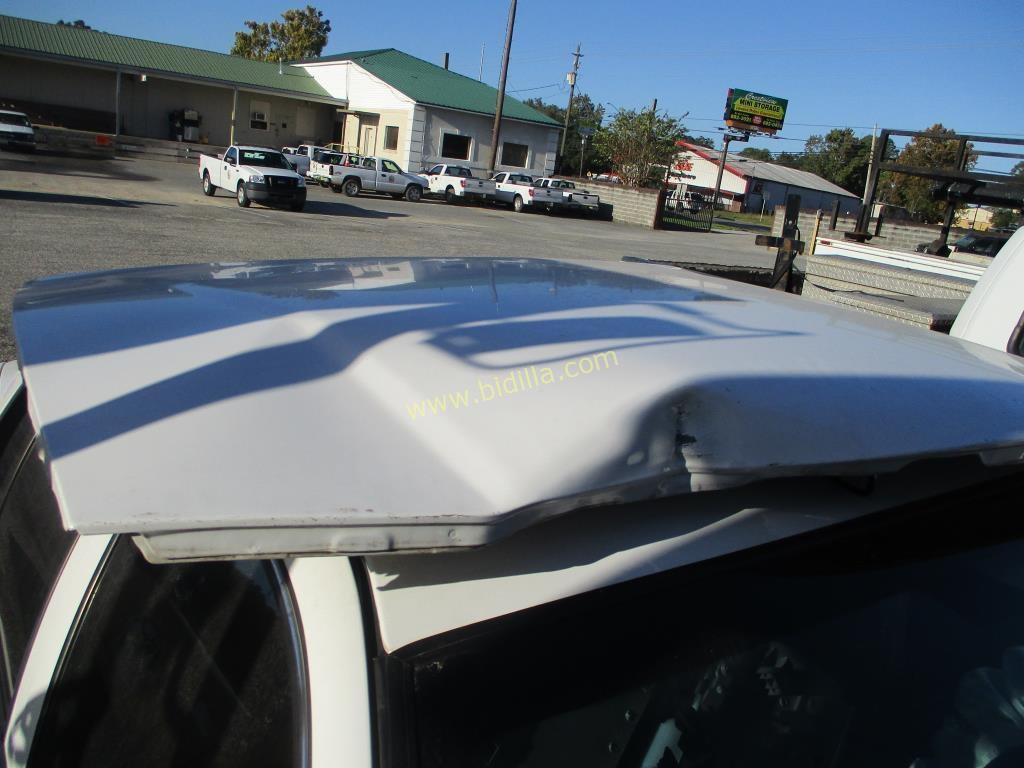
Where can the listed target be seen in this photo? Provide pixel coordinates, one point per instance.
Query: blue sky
(897, 63)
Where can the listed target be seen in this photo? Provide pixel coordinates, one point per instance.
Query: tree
(301, 35)
(1004, 217)
(640, 144)
(77, 24)
(915, 192)
(1018, 169)
(840, 157)
(757, 154)
(585, 114)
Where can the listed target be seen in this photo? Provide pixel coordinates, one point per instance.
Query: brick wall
(895, 234)
(625, 205)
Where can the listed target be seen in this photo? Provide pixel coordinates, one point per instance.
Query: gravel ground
(61, 215)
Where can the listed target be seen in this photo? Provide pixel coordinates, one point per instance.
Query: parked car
(16, 130)
(573, 198)
(321, 168)
(456, 182)
(378, 174)
(502, 512)
(982, 244)
(301, 157)
(253, 174)
(517, 191)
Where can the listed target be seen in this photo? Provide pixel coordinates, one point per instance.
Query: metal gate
(694, 214)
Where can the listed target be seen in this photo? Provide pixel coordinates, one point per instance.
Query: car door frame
(327, 621)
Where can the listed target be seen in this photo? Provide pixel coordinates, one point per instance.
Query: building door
(369, 146)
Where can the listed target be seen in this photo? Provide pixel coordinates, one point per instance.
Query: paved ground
(72, 215)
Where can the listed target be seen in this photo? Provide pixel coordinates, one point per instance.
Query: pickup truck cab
(378, 174)
(16, 130)
(322, 167)
(253, 174)
(573, 198)
(597, 514)
(301, 157)
(518, 191)
(456, 182)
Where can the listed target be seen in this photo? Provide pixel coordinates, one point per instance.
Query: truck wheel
(208, 189)
(414, 193)
(243, 199)
(351, 187)
(449, 195)
(517, 204)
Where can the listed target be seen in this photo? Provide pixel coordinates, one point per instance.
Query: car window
(463, 172)
(175, 665)
(369, 163)
(231, 154)
(895, 642)
(33, 542)
(390, 166)
(264, 159)
(434, 171)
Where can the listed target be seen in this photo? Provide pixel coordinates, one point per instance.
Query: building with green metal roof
(82, 78)
(420, 114)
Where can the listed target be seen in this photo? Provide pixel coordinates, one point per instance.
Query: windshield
(263, 159)
(896, 643)
(9, 119)
(518, 178)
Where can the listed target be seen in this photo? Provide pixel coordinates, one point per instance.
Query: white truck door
(229, 170)
(389, 177)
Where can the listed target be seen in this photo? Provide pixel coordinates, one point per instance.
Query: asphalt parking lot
(61, 215)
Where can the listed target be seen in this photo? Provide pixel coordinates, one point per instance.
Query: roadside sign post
(721, 168)
(585, 133)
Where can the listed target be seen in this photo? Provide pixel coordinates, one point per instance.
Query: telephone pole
(572, 88)
(496, 132)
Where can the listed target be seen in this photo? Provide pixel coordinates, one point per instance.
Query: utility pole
(496, 132)
(572, 88)
(482, 47)
(721, 168)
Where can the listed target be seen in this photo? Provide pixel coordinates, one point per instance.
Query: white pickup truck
(324, 163)
(518, 191)
(253, 174)
(302, 156)
(573, 198)
(378, 174)
(456, 182)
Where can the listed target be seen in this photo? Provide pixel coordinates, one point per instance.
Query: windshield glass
(897, 643)
(9, 119)
(518, 178)
(263, 159)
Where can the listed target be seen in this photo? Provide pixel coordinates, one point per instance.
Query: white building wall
(704, 173)
(542, 140)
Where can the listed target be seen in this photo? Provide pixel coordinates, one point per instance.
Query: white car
(501, 512)
(377, 174)
(16, 130)
(457, 183)
(518, 191)
(253, 174)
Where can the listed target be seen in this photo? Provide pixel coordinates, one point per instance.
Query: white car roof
(272, 411)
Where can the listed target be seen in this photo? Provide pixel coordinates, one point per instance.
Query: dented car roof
(275, 408)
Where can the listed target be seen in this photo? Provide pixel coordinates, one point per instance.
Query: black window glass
(33, 542)
(897, 642)
(391, 137)
(514, 154)
(177, 665)
(455, 146)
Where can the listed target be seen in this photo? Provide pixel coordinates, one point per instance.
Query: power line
(536, 88)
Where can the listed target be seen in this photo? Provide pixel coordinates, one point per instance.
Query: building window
(514, 154)
(391, 137)
(455, 147)
(259, 115)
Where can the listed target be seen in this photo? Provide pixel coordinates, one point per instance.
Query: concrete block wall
(895, 234)
(625, 205)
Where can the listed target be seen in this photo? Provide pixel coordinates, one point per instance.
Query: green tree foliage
(640, 144)
(839, 156)
(585, 114)
(915, 192)
(302, 34)
(1004, 217)
(77, 24)
(1018, 169)
(754, 153)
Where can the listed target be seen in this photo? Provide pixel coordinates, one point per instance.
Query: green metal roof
(428, 83)
(88, 45)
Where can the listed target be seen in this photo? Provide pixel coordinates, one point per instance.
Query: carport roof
(428, 83)
(90, 46)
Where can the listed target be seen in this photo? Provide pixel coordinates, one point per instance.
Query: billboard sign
(754, 111)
